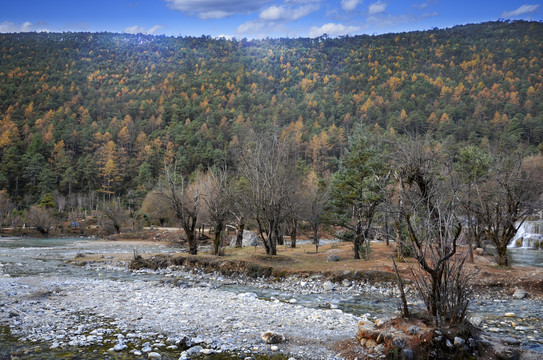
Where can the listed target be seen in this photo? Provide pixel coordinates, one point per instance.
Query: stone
(399, 343)
(146, 348)
(476, 320)
(271, 337)
(459, 342)
(370, 344)
(508, 340)
(346, 282)
(520, 294)
(509, 314)
(274, 348)
(407, 354)
(154, 355)
(194, 350)
(207, 351)
(381, 322)
(328, 286)
(333, 257)
(137, 353)
(293, 301)
(479, 251)
(449, 344)
(413, 330)
(119, 347)
(249, 239)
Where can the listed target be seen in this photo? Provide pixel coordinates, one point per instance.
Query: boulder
(476, 320)
(479, 251)
(333, 257)
(194, 350)
(328, 286)
(249, 239)
(271, 337)
(520, 294)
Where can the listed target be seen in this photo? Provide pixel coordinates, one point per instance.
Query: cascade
(529, 236)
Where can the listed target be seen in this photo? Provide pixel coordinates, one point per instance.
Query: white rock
(509, 314)
(328, 286)
(520, 294)
(274, 348)
(154, 355)
(194, 350)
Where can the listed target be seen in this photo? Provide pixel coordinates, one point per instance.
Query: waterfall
(529, 236)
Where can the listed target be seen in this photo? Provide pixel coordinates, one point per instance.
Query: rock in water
(333, 257)
(520, 294)
(273, 338)
(328, 286)
(154, 355)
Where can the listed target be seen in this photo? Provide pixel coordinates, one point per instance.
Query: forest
(90, 118)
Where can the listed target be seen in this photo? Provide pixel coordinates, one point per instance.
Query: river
(47, 258)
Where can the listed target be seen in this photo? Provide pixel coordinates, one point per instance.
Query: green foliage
(65, 96)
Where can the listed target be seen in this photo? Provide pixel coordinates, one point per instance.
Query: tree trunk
(316, 238)
(502, 255)
(191, 238)
(293, 233)
(357, 241)
(239, 235)
(217, 241)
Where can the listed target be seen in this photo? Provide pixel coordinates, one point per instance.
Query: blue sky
(257, 18)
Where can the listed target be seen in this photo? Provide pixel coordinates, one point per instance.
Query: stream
(26, 257)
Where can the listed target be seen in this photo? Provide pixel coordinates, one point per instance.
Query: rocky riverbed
(153, 317)
(104, 310)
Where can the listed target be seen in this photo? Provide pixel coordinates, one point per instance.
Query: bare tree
(216, 197)
(314, 197)
(511, 192)
(240, 205)
(41, 219)
(114, 213)
(269, 167)
(429, 206)
(184, 201)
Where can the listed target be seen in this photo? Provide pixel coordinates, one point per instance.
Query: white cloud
(275, 16)
(377, 8)
(284, 13)
(349, 5)
(423, 5)
(332, 30)
(391, 21)
(9, 27)
(524, 9)
(136, 29)
(216, 9)
(250, 27)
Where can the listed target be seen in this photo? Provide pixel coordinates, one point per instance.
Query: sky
(257, 18)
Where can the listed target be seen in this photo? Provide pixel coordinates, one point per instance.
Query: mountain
(87, 112)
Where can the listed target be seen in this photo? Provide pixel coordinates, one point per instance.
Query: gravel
(84, 312)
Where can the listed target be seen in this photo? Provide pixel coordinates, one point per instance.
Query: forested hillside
(99, 113)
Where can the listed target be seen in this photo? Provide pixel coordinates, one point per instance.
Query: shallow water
(48, 257)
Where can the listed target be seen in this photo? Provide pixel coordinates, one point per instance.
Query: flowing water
(20, 257)
(526, 248)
